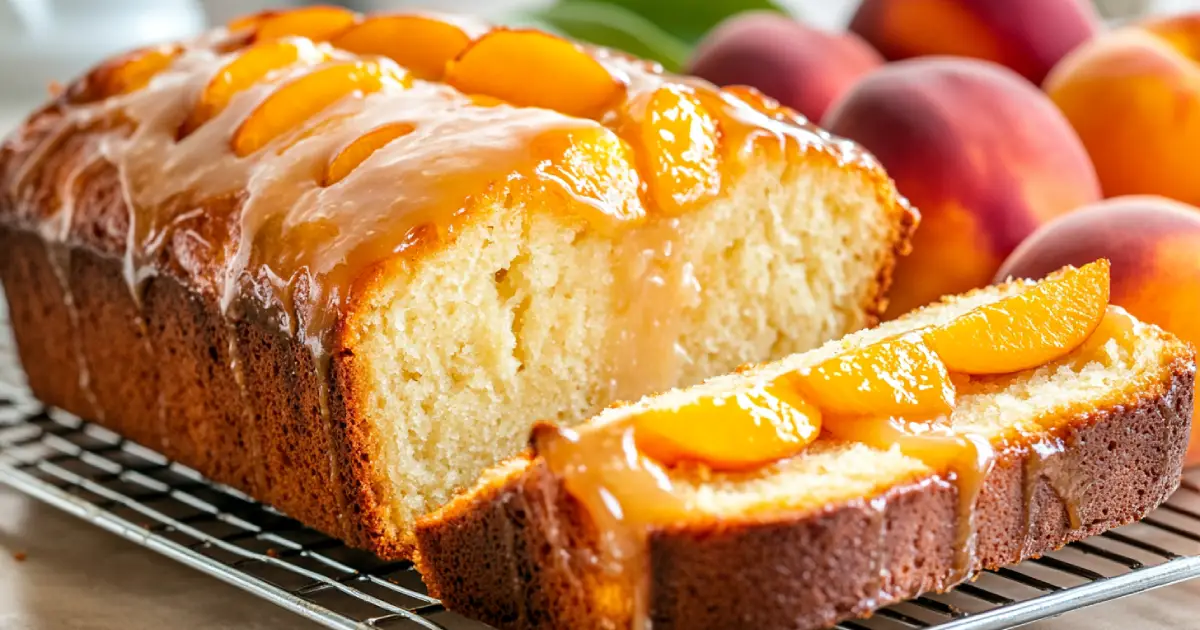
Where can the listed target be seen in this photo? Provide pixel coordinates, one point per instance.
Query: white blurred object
(55, 40)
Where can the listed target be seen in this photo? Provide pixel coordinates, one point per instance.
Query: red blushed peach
(981, 152)
(1153, 244)
(1028, 36)
(1133, 95)
(801, 67)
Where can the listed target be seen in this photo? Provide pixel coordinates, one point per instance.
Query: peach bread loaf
(345, 274)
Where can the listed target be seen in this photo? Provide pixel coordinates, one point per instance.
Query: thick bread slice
(841, 529)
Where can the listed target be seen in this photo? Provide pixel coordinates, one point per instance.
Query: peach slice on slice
(736, 430)
(1032, 328)
(304, 97)
(894, 377)
(362, 148)
(420, 43)
(535, 69)
(248, 68)
(318, 23)
(679, 136)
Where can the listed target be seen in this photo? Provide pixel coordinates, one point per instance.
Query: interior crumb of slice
(828, 471)
(508, 326)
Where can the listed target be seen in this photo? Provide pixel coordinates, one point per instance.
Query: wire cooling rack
(138, 494)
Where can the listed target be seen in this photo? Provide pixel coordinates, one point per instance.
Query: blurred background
(53, 40)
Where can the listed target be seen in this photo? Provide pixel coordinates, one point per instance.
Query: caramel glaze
(262, 236)
(628, 495)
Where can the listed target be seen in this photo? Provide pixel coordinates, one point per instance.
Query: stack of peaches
(1029, 135)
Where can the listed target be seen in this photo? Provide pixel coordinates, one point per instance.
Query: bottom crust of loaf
(518, 552)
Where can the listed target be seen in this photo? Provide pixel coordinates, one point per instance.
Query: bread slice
(1083, 444)
(353, 353)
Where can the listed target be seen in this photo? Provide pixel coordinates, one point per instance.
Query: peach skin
(1153, 244)
(1028, 36)
(1133, 95)
(799, 66)
(981, 152)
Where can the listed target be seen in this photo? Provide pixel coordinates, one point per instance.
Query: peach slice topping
(535, 69)
(730, 431)
(318, 23)
(760, 102)
(1034, 327)
(304, 97)
(362, 148)
(899, 376)
(595, 166)
(127, 73)
(680, 140)
(245, 70)
(420, 43)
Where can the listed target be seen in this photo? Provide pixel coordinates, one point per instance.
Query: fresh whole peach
(979, 151)
(1028, 36)
(1133, 95)
(1154, 246)
(799, 66)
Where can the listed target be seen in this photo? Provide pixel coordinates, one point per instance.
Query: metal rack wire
(136, 493)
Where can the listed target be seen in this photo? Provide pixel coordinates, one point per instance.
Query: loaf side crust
(517, 553)
(160, 375)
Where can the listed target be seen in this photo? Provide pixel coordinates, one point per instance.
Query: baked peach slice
(1032, 328)
(593, 163)
(893, 377)
(679, 137)
(362, 148)
(730, 431)
(535, 69)
(128, 73)
(422, 44)
(248, 68)
(318, 23)
(300, 99)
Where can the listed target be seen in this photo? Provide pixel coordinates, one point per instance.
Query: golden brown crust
(160, 375)
(518, 554)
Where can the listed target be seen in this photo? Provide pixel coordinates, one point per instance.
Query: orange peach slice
(128, 73)
(596, 167)
(245, 70)
(318, 23)
(679, 136)
(535, 69)
(1032, 328)
(362, 148)
(304, 97)
(422, 44)
(730, 431)
(894, 377)
(251, 21)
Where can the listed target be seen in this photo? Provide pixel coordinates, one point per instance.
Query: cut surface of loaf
(347, 285)
(1084, 443)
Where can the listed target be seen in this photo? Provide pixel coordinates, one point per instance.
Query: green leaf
(689, 20)
(610, 25)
